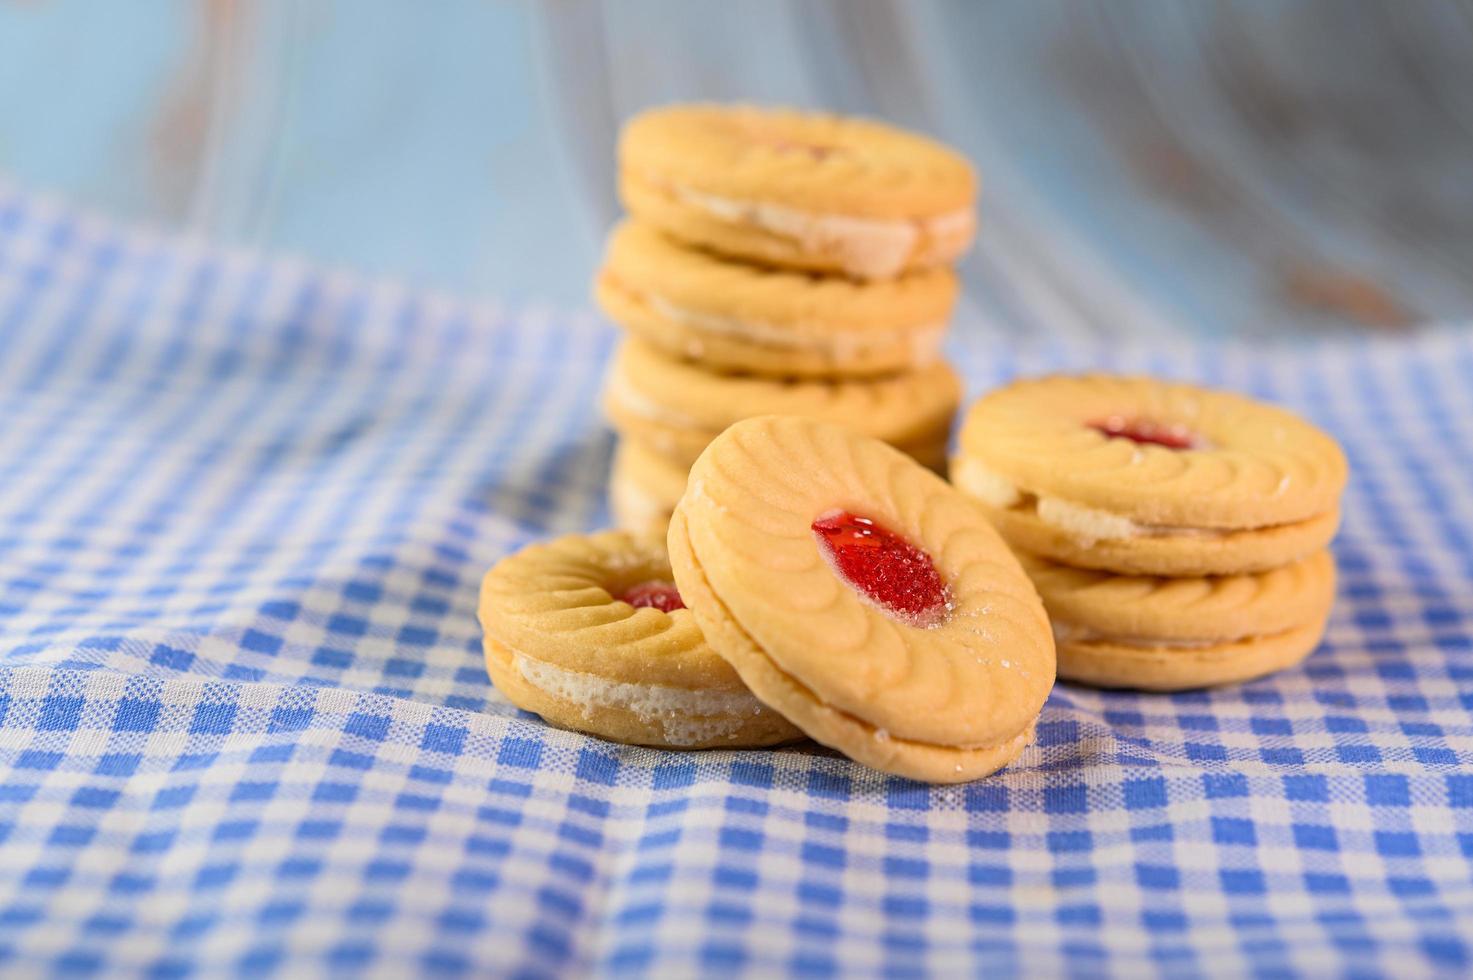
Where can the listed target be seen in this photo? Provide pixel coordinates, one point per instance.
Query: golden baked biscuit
(1156, 551)
(644, 488)
(799, 190)
(1102, 663)
(589, 632)
(1138, 475)
(733, 316)
(676, 409)
(1168, 634)
(864, 598)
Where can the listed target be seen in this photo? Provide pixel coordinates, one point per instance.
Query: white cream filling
(867, 248)
(839, 346)
(961, 223)
(635, 508)
(685, 717)
(636, 403)
(984, 484)
(1087, 524)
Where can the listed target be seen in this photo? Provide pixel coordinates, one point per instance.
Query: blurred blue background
(1149, 168)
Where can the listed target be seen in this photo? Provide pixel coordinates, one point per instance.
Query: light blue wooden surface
(1148, 167)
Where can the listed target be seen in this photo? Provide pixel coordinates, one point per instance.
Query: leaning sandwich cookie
(734, 316)
(589, 632)
(1170, 634)
(864, 598)
(1141, 476)
(799, 190)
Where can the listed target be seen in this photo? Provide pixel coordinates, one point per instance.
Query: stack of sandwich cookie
(1177, 535)
(779, 262)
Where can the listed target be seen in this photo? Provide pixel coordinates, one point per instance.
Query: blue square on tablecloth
(246, 725)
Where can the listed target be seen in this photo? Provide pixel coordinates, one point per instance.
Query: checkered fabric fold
(245, 727)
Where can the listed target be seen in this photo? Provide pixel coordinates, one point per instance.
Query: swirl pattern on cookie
(948, 696)
(676, 408)
(577, 630)
(735, 316)
(799, 190)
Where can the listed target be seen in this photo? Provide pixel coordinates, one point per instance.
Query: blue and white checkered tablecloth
(245, 728)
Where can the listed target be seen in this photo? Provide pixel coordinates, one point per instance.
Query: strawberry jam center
(654, 595)
(1146, 432)
(814, 150)
(818, 151)
(884, 567)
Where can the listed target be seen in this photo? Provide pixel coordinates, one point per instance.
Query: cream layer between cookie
(621, 393)
(837, 345)
(635, 508)
(636, 403)
(1084, 523)
(686, 717)
(866, 248)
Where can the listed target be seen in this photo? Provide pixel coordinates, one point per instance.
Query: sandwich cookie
(1137, 475)
(733, 316)
(863, 597)
(799, 190)
(589, 632)
(1172, 634)
(644, 488)
(676, 409)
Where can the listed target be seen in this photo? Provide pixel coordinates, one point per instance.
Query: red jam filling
(1146, 432)
(654, 595)
(884, 567)
(782, 144)
(812, 149)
